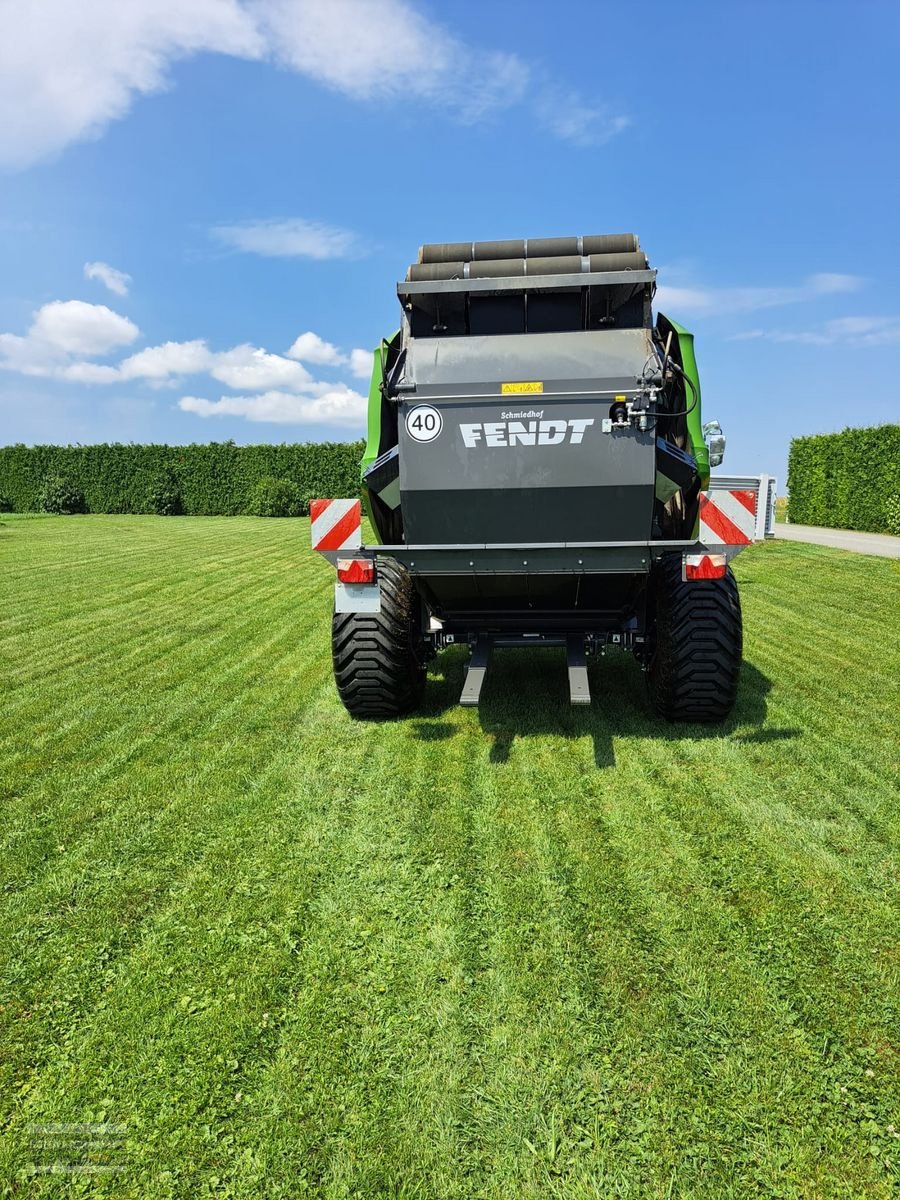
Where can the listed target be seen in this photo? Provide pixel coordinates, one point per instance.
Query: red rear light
(705, 566)
(356, 570)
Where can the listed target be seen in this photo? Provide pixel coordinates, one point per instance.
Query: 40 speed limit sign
(424, 423)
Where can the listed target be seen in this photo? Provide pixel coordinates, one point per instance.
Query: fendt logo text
(525, 433)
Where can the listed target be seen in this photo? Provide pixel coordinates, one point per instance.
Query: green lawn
(529, 951)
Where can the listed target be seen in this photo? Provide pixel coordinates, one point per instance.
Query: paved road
(842, 539)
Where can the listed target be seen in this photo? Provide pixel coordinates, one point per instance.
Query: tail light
(705, 566)
(356, 570)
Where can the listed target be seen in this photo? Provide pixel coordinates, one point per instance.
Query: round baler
(537, 473)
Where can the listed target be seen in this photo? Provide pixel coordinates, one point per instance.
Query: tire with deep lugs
(379, 661)
(697, 644)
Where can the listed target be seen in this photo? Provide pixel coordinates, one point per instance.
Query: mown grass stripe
(529, 950)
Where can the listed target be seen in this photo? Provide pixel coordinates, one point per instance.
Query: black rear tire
(379, 660)
(698, 641)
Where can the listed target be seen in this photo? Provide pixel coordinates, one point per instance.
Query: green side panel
(373, 432)
(694, 418)
(373, 435)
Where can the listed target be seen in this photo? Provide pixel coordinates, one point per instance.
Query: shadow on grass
(526, 693)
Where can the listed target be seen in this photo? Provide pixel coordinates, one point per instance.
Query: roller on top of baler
(537, 473)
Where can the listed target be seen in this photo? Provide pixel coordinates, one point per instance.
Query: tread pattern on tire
(378, 657)
(696, 664)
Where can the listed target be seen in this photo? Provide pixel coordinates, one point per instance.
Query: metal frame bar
(519, 283)
(540, 558)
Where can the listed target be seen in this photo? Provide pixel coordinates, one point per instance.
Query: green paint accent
(373, 441)
(694, 419)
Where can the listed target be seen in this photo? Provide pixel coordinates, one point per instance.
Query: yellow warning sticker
(510, 389)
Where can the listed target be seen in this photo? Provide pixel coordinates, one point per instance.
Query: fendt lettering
(521, 433)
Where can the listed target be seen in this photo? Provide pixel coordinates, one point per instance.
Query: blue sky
(206, 204)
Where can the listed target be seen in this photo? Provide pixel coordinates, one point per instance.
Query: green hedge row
(218, 478)
(848, 480)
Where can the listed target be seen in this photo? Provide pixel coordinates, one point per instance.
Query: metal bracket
(357, 597)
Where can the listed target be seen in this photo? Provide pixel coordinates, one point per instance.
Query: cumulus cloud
(61, 330)
(719, 301)
(89, 372)
(361, 363)
(294, 237)
(247, 367)
(338, 405)
(66, 336)
(68, 70)
(111, 278)
(77, 327)
(161, 362)
(309, 347)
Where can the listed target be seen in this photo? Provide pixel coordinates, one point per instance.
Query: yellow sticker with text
(509, 389)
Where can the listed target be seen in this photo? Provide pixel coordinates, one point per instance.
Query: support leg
(478, 665)
(579, 690)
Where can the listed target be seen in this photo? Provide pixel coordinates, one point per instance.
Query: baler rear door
(503, 440)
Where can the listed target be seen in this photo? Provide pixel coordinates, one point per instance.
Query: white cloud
(256, 370)
(117, 281)
(28, 358)
(845, 331)
(387, 48)
(309, 347)
(89, 372)
(68, 70)
(243, 367)
(713, 301)
(76, 327)
(830, 283)
(294, 237)
(61, 330)
(161, 362)
(563, 113)
(65, 336)
(684, 299)
(339, 405)
(870, 330)
(361, 363)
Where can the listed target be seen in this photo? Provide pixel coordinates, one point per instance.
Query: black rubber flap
(676, 464)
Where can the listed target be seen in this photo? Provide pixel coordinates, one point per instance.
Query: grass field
(529, 951)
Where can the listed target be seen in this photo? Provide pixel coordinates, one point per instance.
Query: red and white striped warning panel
(728, 517)
(335, 524)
